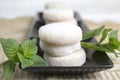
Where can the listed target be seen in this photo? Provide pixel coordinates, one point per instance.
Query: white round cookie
(72, 21)
(56, 4)
(60, 33)
(59, 50)
(77, 58)
(56, 15)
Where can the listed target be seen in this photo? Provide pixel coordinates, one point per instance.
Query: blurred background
(94, 10)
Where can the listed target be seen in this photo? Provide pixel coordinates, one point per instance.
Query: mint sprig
(111, 46)
(24, 53)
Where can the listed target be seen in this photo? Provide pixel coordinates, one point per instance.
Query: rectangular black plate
(95, 61)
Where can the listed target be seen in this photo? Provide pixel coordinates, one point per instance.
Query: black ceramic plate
(95, 61)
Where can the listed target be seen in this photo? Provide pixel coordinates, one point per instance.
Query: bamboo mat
(18, 29)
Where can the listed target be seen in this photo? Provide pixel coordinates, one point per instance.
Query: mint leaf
(38, 61)
(29, 48)
(114, 43)
(111, 49)
(113, 34)
(9, 69)
(34, 61)
(95, 46)
(104, 35)
(113, 40)
(28, 56)
(10, 47)
(93, 33)
(99, 47)
(25, 62)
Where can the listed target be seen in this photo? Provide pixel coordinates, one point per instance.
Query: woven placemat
(18, 29)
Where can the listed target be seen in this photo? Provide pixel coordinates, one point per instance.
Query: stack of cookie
(57, 13)
(61, 44)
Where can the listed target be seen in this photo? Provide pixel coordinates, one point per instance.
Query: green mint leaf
(28, 56)
(99, 47)
(104, 35)
(34, 61)
(10, 47)
(113, 40)
(38, 61)
(93, 33)
(113, 34)
(114, 43)
(111, 48)
(29, 48)
(95, 46)
(25, 62)
(9, 69)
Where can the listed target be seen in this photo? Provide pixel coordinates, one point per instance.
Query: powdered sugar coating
(60, 33)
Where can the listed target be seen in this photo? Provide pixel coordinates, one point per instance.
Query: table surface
(18, 29)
